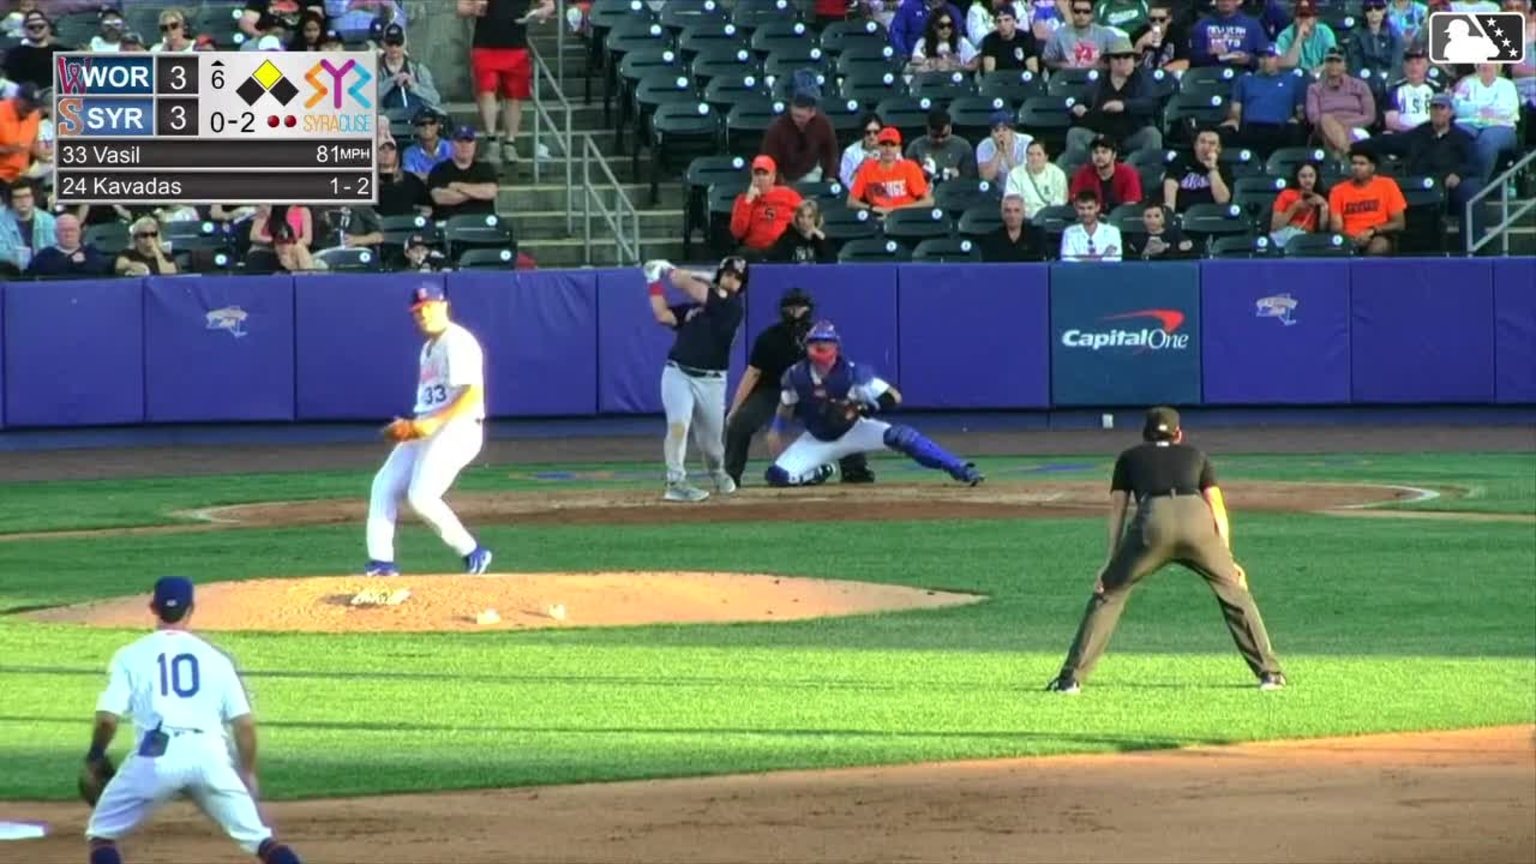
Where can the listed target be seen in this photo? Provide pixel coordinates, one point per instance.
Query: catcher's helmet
(823, 331)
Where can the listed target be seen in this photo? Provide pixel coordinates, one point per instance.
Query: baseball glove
(401, 429)
(841, 414)
(94, 776)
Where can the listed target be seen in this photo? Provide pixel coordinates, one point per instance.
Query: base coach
(1181, 517)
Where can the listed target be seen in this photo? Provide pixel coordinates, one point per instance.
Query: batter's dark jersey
(1162, 467)
(775, 350)
(704, 341)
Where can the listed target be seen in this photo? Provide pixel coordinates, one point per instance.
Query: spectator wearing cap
(24, 227)
(1121, 105)
(1009, 47)
(1367, 208)
(133, 43)
(332, 41)
(943, 48)
(1437, 149)
(1090, 239)
(431, 148)
(1407, 17)
(502, 64)
(1267, 107)
(1039, 182)
(804, 241)
(1374, 47)
(1080, 44)
(462, 184)
(1226, 37)
(109, 35)
(942, 154)
(1003, 150)
(1408, 97)
(31, 61)
(175, 36)
(1339, 105)
(1200, 178)
(20, 119)
(889, 182)
(1017, 239)
(69, 256)
(861, 150)
(764, 210)
(401, 193)
(1112, 183)
(419, 257)
(406, 84)
(1164, 42)
(1488, 107)
(1305, 43)
(802, 142)
(911, 22)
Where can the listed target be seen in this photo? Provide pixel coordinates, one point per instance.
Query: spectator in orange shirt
(761, 213)
(889, 182)
(19, 119)
(1367, 209)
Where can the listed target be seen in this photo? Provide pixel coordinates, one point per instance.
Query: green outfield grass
(1384, 625)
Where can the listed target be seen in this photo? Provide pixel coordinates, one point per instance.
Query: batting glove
(655, 270)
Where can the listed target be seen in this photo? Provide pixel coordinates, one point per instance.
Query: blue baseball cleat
(968, 474)
(478, 561)
(380, 568)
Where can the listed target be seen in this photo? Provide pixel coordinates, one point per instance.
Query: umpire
(1180, 517)
(757, 396)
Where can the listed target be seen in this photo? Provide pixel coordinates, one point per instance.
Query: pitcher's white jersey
(174, 679)
(449, 363)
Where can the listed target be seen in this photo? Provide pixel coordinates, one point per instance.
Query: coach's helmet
(822, 343)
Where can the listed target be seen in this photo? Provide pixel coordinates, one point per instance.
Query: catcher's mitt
(401, 429)
(94, 776)
(841, 414)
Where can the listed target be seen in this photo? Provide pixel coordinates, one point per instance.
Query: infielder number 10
(172, 679)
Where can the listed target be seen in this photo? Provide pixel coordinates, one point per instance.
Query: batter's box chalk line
(380, 597)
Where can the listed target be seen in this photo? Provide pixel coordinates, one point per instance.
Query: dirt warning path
(1451, 797)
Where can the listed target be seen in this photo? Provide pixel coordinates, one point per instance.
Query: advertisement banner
(1421, 331)
(74, 353)
(1514, 324)
(218, 350)
(357, 349)
(974, 335)
(860, 299)
(1125, 334)
(1275, 332)
(539, 333)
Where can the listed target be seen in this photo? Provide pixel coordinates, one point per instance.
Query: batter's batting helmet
(735, 265)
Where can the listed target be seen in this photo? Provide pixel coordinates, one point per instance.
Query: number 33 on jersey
(449, 363)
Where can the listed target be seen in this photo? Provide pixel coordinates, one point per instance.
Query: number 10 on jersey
(179, 675)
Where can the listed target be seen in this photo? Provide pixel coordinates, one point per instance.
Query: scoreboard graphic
(222, 127)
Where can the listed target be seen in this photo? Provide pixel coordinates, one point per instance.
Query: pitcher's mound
(329, 604)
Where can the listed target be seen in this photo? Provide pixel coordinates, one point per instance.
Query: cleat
(684, 493)
(1064, 685)
(724, 484)
(819, 476)
(862, 475)
(1272, 681)
(478, 561)
(969, 475)
(380, 568)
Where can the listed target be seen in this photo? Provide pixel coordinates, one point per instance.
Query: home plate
(22, 831)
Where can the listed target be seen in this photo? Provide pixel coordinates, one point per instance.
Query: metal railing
(1475, 239)
(565, 140)
(622, 215)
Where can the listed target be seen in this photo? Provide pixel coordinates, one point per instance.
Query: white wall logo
(1163, 337)
(230, 319)
(1282, 306)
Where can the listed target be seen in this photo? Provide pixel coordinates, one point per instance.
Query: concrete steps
(536, 226)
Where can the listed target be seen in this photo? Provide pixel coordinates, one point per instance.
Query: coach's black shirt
(705, 332)
(1162, 467)
(775, 350)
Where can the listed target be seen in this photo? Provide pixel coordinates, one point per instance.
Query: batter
(445, 435)
(181, 693)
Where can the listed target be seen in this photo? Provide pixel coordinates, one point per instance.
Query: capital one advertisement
(1125, 334)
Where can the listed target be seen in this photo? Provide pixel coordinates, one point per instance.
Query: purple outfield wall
(582, 343)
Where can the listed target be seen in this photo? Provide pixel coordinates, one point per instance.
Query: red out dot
(272, 121)
(290, 121)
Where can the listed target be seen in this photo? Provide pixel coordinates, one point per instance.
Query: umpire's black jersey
(1157, 469)
(775, 350)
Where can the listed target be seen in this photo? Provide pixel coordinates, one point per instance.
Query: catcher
(181, 693)
(833, 397)
(1181, 517)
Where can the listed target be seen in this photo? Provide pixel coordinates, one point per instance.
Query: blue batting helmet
(823, 331)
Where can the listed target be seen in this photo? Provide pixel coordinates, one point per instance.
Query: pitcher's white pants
(421, 472)
(807, 454)
(198, 765)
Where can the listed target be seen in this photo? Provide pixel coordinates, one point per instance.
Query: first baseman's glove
(94, 776)
(401, 429)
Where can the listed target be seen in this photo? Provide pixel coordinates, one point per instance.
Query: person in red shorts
(502, 65)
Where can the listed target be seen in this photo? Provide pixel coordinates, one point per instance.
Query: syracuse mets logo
(230, 319)
(337, 77)
(1282, 306)
(1162, 337)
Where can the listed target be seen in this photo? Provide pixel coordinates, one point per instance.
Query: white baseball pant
(801, 459)
(421, 472)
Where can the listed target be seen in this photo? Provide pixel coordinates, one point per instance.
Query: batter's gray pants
(693, 401)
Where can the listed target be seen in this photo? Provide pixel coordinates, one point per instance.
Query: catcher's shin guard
(273, 852)
(923, 451)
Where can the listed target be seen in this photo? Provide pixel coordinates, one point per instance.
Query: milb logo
(1163, 337)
